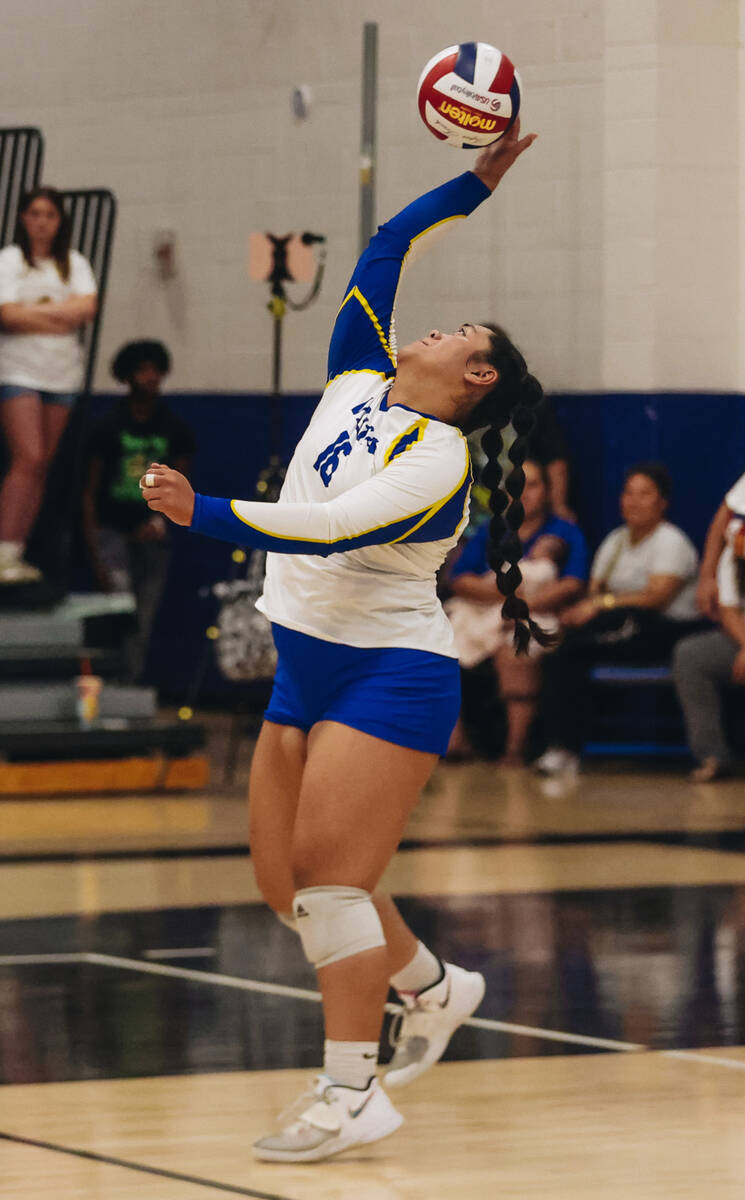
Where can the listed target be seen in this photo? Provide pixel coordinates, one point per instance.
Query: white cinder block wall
(614, 253)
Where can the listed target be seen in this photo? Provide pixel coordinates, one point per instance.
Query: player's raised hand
(495, 160)
(169, 492)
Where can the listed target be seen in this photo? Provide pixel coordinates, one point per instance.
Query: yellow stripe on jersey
(441, 503)
(355, 293)
(409, 438)
(359, 371)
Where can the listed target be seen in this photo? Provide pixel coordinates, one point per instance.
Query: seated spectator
(641, 601)
(47, 293)
(706, 663)
(127, 544)
(554, 570)
(547, 446)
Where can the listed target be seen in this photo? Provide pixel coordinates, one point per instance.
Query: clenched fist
(169, 492)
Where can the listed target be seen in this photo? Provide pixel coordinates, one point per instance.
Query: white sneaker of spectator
(557, 761)
(13, 568)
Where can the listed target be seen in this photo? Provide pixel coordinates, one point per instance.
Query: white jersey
(376, 494)
(381, 595)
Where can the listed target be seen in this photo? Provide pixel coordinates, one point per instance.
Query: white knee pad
(336, 922)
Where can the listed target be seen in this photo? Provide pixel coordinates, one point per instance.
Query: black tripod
(270, 479)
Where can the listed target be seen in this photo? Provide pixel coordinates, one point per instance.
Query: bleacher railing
(93, 217)
(21, 161)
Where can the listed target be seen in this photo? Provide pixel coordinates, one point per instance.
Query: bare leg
(519, 683)
(273, 793)
(274, 790)
(356, 797)
(21, 491)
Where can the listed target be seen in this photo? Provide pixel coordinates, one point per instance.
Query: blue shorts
(408, 697)
(9, 390)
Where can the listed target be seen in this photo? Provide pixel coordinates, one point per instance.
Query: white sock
(352, 1064)
(11, 549)
(420, 972)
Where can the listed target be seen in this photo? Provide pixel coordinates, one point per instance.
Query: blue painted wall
(701, 438)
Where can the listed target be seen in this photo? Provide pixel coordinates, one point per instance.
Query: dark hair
(61, 243)
(515, 397)
(657, 472)
(131, 357)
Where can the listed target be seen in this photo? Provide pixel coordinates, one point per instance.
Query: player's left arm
(420, 496)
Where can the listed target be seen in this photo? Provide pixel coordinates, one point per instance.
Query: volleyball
(469, 95)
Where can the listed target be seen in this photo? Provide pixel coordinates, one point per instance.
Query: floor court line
(281, 989)
(143, 1168)
(295, 993)
(733, 1064)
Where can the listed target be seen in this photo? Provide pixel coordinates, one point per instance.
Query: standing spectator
(554, 571)
(706, 663)
(47, 293)
(127, 544)
(641, 601)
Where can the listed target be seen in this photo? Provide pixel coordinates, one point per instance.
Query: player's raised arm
(363, 333)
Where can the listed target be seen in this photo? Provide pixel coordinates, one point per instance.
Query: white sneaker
(557, 761)
(429, 1020)
(331, 1118)
(13, 569)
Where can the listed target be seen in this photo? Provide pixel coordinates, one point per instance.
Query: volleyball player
(366, 691)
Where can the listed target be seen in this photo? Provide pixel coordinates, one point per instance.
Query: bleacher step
(107, 739)
(55, 662)
(40, 629)
(43, 701)
(156, 773)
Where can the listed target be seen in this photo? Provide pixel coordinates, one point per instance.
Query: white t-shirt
(729, 592)
(50, 362)
(626, 567)
(735, 498)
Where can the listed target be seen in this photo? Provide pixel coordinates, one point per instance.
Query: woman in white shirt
(641, 600)
(706, 663)
(47, 292)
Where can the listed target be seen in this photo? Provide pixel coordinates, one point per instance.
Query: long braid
(516, 397)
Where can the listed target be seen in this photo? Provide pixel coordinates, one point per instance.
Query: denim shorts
(9, 390)
(408, 697)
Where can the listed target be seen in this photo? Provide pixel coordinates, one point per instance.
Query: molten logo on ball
(469, 95)
(465, 118)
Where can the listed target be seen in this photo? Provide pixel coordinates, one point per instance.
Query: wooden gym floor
(154, 1017)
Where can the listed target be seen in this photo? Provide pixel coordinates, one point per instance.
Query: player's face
(41, 221)
(449, 352)
(642, 504)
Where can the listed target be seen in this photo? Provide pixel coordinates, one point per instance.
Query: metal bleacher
(46, 640)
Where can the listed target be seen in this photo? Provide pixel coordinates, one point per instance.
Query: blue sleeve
(361, 338)
(473, 560)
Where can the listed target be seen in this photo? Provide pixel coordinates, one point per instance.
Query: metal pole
(368, 134)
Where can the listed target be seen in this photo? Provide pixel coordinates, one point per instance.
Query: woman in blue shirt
(555, 553)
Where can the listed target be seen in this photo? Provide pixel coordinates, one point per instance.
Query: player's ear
(480, 373)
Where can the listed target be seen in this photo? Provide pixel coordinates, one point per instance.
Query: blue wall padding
(701, 438)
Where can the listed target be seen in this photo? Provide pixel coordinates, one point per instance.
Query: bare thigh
(273, 794)
(356, 796)
(54, 418)
(22, 418)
